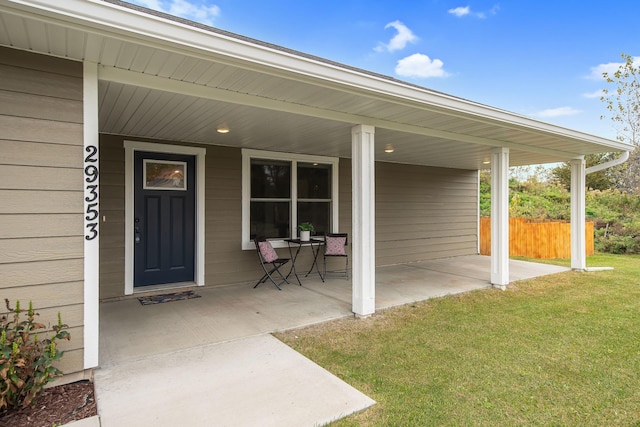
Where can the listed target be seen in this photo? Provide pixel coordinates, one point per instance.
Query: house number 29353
(91, 192)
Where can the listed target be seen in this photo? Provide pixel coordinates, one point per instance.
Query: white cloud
(199, 13)
(596, 72)
(461, 11)
(609, 68)
(420, 65)
(186, 9)
(557, 112)
(400, 40)
(597, 94)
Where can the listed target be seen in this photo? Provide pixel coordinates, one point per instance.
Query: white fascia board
(127, 24)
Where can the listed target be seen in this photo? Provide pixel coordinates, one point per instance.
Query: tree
(540, 173)
(601, 180)
(624, 102)
(623, 105)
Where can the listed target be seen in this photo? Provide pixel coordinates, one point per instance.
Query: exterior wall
(425, 213)
(41, 188)
(112, 217)
(345, 197)
(422, 213)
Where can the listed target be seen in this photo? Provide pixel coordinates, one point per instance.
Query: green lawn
(561, 350)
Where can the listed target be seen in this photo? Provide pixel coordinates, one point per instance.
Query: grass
(560, 350)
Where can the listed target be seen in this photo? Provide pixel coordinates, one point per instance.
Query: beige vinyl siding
(421, 212)
(424, 213)
(344, 197)
(41, 214)
(344, 215)
(225, 261)
(112, 216)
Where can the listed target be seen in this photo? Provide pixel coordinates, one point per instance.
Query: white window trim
(130, 147)
(247, 155)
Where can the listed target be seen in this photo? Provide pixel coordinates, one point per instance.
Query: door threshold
(163, 287)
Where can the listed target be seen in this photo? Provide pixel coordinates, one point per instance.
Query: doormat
(177, 296)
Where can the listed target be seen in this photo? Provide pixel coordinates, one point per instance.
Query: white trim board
(91, 224)
(132, 146)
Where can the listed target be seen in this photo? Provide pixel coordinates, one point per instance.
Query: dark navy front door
(164, 218)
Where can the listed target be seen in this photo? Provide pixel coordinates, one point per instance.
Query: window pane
(270, 220)
(314, 181)
(317, 213)
(270, 179)
(164, 175)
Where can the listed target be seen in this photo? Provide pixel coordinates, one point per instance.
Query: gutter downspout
(597, 168)
(609, 164)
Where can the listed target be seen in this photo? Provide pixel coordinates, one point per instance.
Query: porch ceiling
(166, 78)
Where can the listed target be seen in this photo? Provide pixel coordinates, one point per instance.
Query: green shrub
(617, 244)
(26, 360)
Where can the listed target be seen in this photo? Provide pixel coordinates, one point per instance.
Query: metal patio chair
(335, 245)
(270, 262)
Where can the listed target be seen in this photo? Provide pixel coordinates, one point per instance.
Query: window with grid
(282, 190)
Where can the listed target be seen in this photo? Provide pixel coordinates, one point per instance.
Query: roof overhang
(166, 78)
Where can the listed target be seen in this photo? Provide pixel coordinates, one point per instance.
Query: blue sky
(542, 59)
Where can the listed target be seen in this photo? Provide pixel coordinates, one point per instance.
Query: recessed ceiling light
(223, 129)
(389, 148)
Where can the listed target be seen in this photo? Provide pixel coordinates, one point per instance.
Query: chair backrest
(335, 244)
(265, 250)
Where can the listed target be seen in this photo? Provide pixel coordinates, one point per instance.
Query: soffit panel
(149, 113)
(154, 114)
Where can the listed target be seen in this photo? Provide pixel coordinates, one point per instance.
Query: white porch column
(500, 217)
(363, 220)
(578, 231)
(91, 239)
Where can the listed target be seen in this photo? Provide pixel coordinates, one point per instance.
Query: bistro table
(314, 244)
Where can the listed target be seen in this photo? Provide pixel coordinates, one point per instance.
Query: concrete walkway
(211, 361)
(256, 381)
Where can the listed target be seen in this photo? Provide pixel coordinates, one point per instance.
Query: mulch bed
(57, 406)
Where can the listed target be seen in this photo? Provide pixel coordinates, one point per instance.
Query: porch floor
(211, 360)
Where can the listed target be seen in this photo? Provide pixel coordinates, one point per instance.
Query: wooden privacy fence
(543, 240)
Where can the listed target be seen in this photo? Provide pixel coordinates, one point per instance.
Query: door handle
(136, 238)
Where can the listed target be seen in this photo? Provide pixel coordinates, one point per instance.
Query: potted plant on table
(306, 228)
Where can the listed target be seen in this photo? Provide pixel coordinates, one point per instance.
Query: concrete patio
(211, 360)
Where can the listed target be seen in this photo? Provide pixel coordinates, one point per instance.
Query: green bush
(616, 244)
(26, 360)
